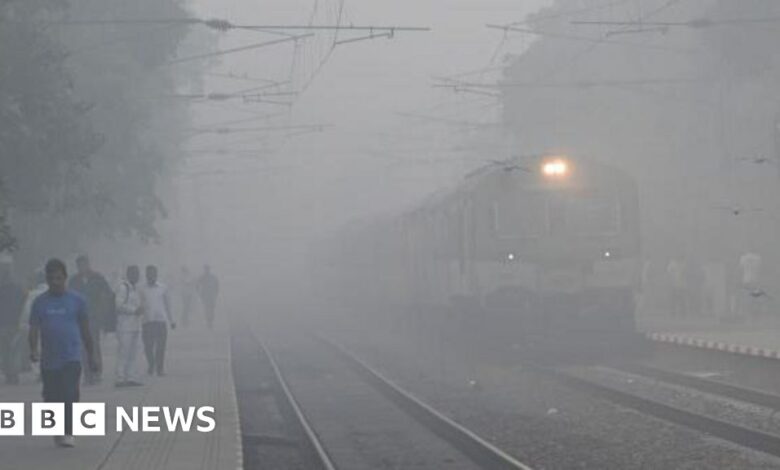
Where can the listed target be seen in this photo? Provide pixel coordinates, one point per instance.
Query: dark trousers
(155, 335)
(10, 354)
(90, 376)
(186, 308)
(209, 306)
(62, 386)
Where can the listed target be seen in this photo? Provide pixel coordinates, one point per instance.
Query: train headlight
(510, 257)
(610, 253)
(555, 168)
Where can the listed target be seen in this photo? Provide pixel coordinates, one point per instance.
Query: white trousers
(128, 343)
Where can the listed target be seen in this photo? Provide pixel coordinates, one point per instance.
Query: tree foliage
(88, 128)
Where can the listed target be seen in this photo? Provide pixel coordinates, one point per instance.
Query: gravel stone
(510, 406)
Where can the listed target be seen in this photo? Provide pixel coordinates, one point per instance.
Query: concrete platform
(764, 343)
(198, 374)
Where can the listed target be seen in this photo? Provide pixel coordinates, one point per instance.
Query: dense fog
(202, 132)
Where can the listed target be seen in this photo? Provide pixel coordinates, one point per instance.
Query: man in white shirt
(157, 317)
(751, 269)
(129, 317)
(750, 264)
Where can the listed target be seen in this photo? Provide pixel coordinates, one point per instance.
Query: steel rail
(476, 448)
(312, 440)
(304, 440)
(744, 394)
(746, 437)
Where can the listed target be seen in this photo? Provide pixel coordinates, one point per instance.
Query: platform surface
(759, 337)
(198, 374)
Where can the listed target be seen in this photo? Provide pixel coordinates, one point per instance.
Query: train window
(522, 217)
(556, 212)
(593, 214)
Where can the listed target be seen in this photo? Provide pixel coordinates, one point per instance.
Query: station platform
(198, 374)
(759, 338)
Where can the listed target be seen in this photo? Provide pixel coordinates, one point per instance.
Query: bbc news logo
(89, 419)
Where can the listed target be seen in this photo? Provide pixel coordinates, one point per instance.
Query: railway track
(337, 409)
(485, 454)
(713, 387)
(273, 426)
(309, 432)
(747, 437)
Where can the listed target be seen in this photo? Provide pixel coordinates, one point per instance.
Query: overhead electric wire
(263, 87)
(238, 49)
(585, 83)
(225, 25)
(468, 72)
(240, 77)
(232, 106)
(241, 130)
(577, 38)
(694, 23)
(452, 122)
(241, 121)
(338, 27)
(329, 52)
(227, 96)
(224, 151)
(588, 49)
(466, 89)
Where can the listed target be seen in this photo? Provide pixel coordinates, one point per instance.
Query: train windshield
(521, 217)
(592, 213)
(538, 214)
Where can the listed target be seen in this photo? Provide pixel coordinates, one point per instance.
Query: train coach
(526, 251)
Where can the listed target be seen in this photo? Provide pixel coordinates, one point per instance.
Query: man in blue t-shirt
(59, 319)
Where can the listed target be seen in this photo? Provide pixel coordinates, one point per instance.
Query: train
(541, 251)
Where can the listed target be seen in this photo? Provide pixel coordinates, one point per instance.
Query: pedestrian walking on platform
(157, 318)
(11, 303)
(59, 320)
(100, 300)
(37, 287)
(129, 319)
(678, 288)
(752, 296)
(208, 288)
(187, 290)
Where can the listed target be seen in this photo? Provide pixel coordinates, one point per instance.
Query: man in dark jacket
(11, 303)
(100, 302)
(208, 288)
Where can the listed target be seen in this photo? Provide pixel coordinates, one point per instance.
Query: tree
(43, 134)
(87, 135)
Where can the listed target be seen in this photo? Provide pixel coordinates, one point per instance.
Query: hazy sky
(371, 160)
(366, 83)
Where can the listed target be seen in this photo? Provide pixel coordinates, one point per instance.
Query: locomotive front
(558, 248)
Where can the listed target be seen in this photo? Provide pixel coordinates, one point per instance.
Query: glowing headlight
(557, 168)
(510, 257)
